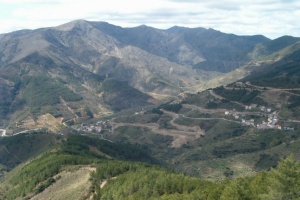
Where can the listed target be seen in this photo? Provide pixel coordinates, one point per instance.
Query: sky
(271, 18)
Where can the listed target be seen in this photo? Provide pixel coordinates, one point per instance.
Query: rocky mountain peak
(81, 24)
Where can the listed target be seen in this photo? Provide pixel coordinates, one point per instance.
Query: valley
(203, 121)
(90, 110)
(117, 70)
(224, 114)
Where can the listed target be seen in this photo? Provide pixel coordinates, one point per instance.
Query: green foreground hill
(115, 174)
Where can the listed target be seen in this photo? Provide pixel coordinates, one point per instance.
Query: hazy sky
(272, 18)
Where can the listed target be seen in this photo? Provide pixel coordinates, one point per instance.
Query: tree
(88, 112)
(288, 178)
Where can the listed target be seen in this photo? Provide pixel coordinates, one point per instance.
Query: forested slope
(118, 175)
(137, 181)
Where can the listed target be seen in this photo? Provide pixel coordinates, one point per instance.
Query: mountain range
(61, 70)
(96, 111)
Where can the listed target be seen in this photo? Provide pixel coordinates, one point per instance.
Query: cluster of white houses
(97, 127)
(271, 121)
(255, 106)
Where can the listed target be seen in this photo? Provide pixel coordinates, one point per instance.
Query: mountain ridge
(161, 63)
(77, 103)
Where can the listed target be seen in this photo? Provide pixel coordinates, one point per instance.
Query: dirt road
(286, 90)
(183, 135)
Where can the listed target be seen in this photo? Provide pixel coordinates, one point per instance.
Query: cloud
(272, 18)
(32, 2)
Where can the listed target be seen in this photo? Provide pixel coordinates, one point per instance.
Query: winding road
(183, 134)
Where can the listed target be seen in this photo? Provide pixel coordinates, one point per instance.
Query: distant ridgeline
(44, 71)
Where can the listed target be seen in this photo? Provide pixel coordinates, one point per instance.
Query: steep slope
(194, 136)
(284, 73)
(121, 96)
(272, 46)
(18, 149)
(74, 171)
(54, 75)
(227, 131)
(278, 53)
(60, 70)
(68, 155)
(204, 49)
(78, 44)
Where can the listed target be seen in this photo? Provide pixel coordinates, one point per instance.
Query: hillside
(31, 178)
(205, 49)
(241, 128)
(197, 138)
(282, 74)
(89, 110)
(60, 70)
(265, 57)
(88, 168)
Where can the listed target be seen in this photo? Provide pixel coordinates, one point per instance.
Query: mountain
(265, 57)
(110, 96)
(224, 132)
(65, 70)
(60, 70)
(275, 45)
(200, 48)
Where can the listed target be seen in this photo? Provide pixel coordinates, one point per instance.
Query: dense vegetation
(41, 91)
(225, 104)
(79, 145)
(5, 101)
(239, 95)
(294, 102)
(132, 180)
(284, 74)
(174, 107)
(119, 95)
(278, 82)
(279, 43)
(139, 181)
(34, 177)
(18, 148)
